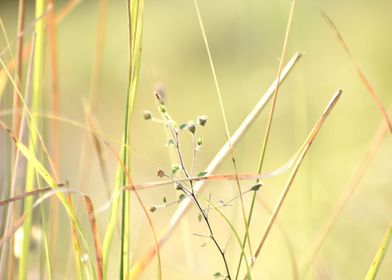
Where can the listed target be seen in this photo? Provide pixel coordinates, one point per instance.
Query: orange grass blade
(345, 197)
(360, 73)
(49, 192)
(18, 68)
(69, 7)
(285, 235)
(308, 142)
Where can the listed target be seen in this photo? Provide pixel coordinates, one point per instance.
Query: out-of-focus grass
(245, 40)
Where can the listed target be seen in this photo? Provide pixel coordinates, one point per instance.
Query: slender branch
(194, 198)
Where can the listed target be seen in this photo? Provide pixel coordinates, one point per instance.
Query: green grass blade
(222, 108)
(40, 169)
(378, 258)
(135, 12)
(36, 98)
(268, 129)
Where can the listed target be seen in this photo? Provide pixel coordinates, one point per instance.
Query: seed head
(147, 115)
(191, 126)
(202, 120)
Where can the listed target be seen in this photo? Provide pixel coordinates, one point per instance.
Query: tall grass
(32, 129)
(36, 100)
(135, 21)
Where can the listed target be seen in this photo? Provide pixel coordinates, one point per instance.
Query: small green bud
(162, 108)
(159, 97)
(147, 115)
(191, 126)
(256, 187)
(152, 208)
(199, 141)
(171, 143)
(202, 120)
(202, 174)
(175, 168)
(181, 197)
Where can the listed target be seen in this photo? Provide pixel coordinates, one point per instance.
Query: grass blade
(285, 235)
(360, 73)
(268, 128)
(33, 137)
(18, 68)
(345, 197)
(37, 167)
(49, 192)
(378, 258)
(54, 107)
(304, 149)
(222, 108)
(135, 14)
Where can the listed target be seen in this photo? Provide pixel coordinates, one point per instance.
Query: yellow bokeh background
(245, 38)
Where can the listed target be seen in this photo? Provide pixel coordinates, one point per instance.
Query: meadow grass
(34, 143)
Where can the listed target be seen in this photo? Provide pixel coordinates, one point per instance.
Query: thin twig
(194, 197)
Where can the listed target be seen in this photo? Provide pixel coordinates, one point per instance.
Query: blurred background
(245, 38)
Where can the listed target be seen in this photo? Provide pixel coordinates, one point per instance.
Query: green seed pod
(191, 126)
(202, 120)
(147, 115)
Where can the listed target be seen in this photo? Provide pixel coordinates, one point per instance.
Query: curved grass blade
(305, 147)
(37, 166)
(49, 192)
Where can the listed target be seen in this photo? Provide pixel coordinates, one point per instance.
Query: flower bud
(179, 186)
(160, 173)
(191, 126)
(202, 120)
(147, 115)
